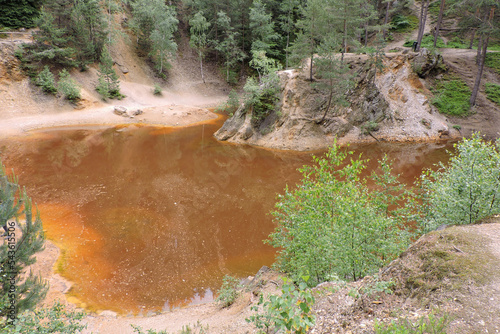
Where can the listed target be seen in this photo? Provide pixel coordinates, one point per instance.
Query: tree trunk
(386, 18)
(423, 19)
(366, 35)
(472, 39)
(344, 42)
(480, 69)
(311, 67)
(201, 69)
(438, 24)
(481, 60)
(479, 48)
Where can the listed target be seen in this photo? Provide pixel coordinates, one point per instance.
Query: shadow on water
(149, 219)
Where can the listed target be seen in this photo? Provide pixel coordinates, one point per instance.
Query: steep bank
(391, 105)
(184, 99)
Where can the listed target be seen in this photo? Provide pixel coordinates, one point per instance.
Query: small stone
(109, 314)
(120, 110)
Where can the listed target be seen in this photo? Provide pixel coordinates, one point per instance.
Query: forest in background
(244, 37)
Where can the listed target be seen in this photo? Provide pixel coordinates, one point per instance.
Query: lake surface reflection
(149, 219)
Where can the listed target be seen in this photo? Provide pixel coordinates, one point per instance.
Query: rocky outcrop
(391, 105)
(428, 62)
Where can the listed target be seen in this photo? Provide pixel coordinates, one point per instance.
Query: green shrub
(231, 105)
(493, 92)
(228, 291)
(45, 79)
(56, 319)
(493, 61)
(452, 97)
(262, 97)
(108, 82)
(426, 324)
(157, 90)
(289, 312)
(332, 224)
(465, 190)
(403, 24)
(67, 86)
(427, 42)
(456, 43)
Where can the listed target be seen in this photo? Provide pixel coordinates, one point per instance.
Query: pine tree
(228, 47)
(19, 13)
(262, 26)
(155, 23)
(24, 237)
(109, 83)
(199, 37)
(311, 31)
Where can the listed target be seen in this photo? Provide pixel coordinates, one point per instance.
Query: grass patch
(404, 24)
(443, 261)
(427, 42)
(493, 92)
(493, 61)
(452, 97)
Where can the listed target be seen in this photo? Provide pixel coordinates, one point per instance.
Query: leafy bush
(493, 61)
(331, 224)
(228, 291)
(427, 324)
(231, 105)
(45, 79)
(427, 42)
(108, 82)
(467, 189)
(67, 86)
(403, 24)
(452, 97)
(290, 312)
(48, 320)
(262, 97)
(493, 92)
(157, 90)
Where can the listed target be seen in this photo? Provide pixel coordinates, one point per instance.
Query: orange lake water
(149, 219)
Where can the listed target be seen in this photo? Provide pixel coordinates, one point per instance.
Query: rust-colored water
(152, 219)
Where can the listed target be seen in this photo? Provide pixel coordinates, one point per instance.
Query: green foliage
(456, 43)
(289, 312)
(155, 23)
(262, 28)
(428, 42)
(199, 37)
(231, 105)
(23, 240)
(332, 224)
(404, 24)
(157, 90)
(467, 189)
(426, 324)
(19, 13)
(47, 320)
(262, 97)
(228, 291)
(67, 86)
(493, 61)
(451, 97)
(108, 83)
(228, 46)
(138, 330)
(493, 92)
(70, 33)
(45, 79)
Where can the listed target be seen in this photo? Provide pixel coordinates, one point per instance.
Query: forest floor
(472, 298)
